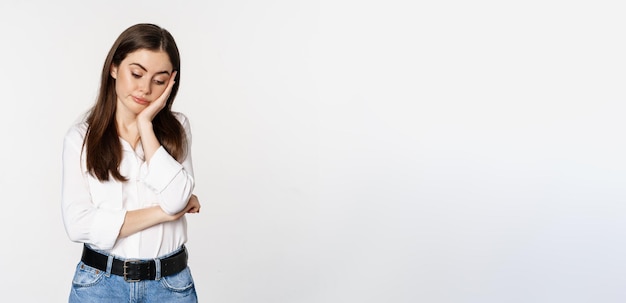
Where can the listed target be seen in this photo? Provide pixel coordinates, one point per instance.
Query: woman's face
(140, 79)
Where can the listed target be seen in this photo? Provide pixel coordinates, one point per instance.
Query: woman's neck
(127, 128)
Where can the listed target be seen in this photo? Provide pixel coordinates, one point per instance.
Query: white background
(348, 151)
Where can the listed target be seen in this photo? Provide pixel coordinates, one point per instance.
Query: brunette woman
(128, 178)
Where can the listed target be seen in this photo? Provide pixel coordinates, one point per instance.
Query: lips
(141, 101)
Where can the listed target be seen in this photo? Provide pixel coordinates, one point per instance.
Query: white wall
(349, 151)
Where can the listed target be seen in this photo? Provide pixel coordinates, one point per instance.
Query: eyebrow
(144, 69)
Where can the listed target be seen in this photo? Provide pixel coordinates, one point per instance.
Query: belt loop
(109, 265)
(157, 265)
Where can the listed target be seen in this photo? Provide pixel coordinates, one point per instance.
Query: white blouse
(93, 211)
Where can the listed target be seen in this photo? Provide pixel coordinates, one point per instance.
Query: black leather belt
(136, 270)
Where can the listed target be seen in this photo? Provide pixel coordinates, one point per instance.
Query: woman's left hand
(148, 113)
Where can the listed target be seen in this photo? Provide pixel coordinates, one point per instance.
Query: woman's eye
(159, 82)
(136, 75)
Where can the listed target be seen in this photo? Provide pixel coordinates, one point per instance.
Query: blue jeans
(94, 285)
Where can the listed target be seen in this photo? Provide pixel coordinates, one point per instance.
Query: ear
(114, 72)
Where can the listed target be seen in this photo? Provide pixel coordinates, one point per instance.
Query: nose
(145, 86)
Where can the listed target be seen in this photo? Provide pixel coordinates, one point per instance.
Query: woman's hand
(144, 121)
(148, 113)
(193, 207)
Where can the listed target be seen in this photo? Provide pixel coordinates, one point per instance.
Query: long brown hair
(103, 147)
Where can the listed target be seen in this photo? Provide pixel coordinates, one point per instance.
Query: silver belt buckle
(125, 273)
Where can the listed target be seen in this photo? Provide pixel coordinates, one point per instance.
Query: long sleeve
(85, 221)
(171, 181)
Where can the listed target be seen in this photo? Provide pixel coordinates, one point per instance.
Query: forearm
(140, 219)
(170, 179)
(149, 141)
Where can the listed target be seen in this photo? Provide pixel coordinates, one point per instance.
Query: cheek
(123, 84)
(157, 90)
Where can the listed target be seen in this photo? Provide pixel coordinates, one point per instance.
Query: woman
(128, 178)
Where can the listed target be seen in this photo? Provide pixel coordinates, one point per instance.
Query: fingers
(173, 78)
(168, 90)
(170, 85)
(194, 210)
(193, 205)
(159, 103)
